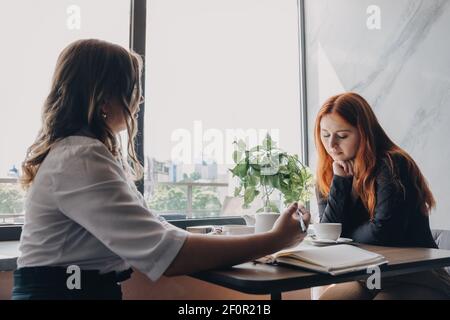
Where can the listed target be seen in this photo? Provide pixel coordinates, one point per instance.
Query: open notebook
(334, 260)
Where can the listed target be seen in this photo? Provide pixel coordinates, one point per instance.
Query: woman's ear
(104, 109)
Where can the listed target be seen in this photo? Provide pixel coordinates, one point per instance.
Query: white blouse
(82, 210)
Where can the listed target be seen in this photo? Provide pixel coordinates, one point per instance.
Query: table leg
(275, 296)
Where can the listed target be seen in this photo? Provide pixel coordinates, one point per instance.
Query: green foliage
(169, 198)
(205, 198)
(265, 168)
(174, 198)
(11, 199)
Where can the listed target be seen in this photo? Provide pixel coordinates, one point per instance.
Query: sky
(221, 66)
(33, 33)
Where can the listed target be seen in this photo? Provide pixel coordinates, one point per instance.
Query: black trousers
(53, 283)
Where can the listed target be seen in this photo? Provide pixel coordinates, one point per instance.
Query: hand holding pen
(288, 226)
(301, 211)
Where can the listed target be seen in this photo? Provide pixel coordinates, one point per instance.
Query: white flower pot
(265, 221)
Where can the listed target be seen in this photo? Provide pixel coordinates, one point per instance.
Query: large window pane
(216, 70)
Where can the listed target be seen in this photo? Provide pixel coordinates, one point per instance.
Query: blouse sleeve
(92, 190)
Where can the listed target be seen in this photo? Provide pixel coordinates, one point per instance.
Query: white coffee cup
(237, 229)
(327, 231)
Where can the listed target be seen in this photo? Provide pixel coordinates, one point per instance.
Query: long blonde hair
(88, 73)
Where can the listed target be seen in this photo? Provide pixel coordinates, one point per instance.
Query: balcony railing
(13, 218)
(9, 180)
(189, 213)
(190, 186)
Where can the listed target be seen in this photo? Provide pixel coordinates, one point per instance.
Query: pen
(302, 223)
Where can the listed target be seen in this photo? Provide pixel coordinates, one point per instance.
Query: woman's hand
(343, 168)
(287, 228)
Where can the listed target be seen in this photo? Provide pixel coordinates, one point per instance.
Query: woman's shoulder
(395, 161)
(392, 168)
(79, 159)
(76, 149)
(78, 143)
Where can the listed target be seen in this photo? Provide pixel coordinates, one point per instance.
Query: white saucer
(327, 242)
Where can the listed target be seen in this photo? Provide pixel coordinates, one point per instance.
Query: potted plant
(264, 169)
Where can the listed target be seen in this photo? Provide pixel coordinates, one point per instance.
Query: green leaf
(275, 181)
(240, 170)
(253, 180)
(273, 207)
(237, 191)
(283, 170)
(237, 156)
(254, 171)
(269, 169)
(250, 194)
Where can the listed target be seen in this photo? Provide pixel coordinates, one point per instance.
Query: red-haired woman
(376, 190)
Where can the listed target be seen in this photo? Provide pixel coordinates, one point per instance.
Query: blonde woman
(82, 207)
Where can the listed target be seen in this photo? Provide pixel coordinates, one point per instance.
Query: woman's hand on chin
(343, 168)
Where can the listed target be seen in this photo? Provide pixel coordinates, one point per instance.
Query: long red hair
(374, 146)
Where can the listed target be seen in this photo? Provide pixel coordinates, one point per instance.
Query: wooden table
(259, 278)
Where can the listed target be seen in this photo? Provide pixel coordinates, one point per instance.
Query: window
(216, 70)
(33, 33)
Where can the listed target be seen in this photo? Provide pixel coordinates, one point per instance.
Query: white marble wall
(402, 69)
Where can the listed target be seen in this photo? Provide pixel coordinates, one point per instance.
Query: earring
(104, 115)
